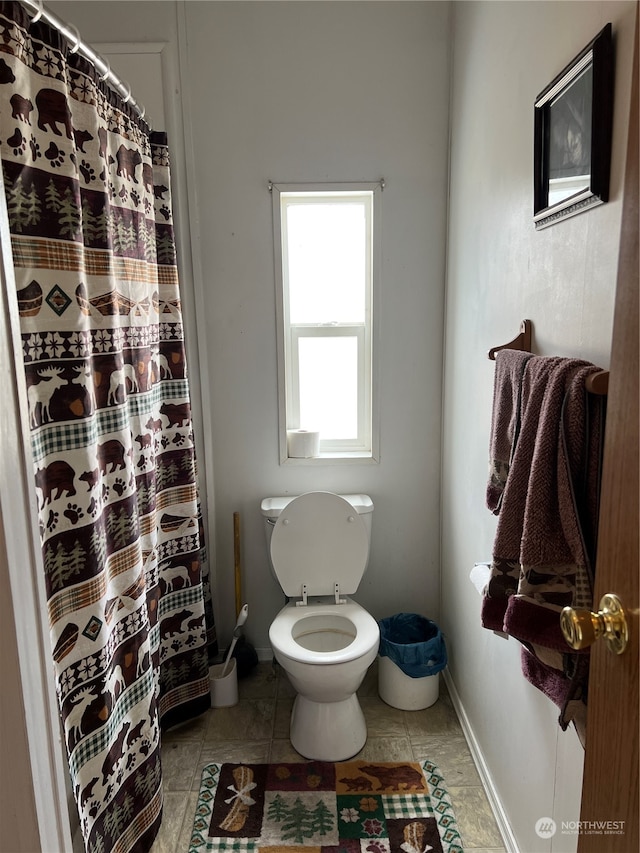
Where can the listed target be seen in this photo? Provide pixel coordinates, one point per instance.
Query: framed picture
(572, 135)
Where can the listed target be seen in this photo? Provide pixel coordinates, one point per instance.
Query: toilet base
(327, 731)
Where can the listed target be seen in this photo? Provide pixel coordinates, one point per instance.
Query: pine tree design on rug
(299, 822)
(345, 807)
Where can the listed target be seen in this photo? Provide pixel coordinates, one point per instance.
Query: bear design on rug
(358, 783)
(393, 777)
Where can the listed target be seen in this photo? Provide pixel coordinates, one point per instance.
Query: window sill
(349, 458)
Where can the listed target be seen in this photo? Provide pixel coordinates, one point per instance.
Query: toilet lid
(319, 540)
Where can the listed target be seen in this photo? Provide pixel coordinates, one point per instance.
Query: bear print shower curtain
(87, 193)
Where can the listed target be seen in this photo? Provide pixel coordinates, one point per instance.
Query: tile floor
(256, 729)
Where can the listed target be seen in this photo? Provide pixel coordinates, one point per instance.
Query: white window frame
(365, 446)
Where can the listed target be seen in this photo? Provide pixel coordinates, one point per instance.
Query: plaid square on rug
(343, 807)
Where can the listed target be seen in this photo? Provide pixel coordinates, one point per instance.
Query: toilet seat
(293, 625)
(318, 541)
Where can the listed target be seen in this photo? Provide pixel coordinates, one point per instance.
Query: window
(326, 243)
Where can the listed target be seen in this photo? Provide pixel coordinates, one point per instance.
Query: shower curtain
(88, 198)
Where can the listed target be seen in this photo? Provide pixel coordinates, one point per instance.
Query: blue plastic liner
(414, 643)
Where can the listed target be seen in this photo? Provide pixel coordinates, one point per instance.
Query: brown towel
(505, 421)
(543, 550)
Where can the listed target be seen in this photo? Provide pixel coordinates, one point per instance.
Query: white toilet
(319, 548)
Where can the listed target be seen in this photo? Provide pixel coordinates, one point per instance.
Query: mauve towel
(505, 421)
(545, 538)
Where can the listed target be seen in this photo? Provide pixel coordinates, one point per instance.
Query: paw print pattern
(93, 507)
(87, 172)
(55, 155)
(178, 439)
(164, 441)
(35, 149)
(17, 142)
(164, 211)
(135, 198)
(119, 486)
(52, 520)
(73, 513)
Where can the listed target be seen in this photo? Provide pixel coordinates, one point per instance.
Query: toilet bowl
(323, 639)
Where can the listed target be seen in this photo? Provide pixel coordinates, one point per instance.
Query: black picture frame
(572, 135)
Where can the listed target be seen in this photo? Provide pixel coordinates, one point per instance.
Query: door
(610, 786)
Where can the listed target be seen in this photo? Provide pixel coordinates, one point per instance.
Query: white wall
(312, 92)
(307, 92)
(500, 271)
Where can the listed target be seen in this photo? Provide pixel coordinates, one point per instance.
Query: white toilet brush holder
(224, 684)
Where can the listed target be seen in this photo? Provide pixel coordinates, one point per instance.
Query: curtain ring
(107, 73)
(76, 36)
(127, 97)
(38, 14)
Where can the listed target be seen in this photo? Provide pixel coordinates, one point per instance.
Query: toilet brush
(244, 652)
(242, 618)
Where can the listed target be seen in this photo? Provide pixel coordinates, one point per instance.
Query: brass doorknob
(581, 628)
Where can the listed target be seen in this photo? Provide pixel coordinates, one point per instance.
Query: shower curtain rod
(72, 35)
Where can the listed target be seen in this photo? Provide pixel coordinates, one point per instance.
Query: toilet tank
(272, 507)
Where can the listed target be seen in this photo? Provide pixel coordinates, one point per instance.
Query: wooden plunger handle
(236, 561)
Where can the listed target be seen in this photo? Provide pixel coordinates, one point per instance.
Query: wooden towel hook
(597, 383)
(522, 341)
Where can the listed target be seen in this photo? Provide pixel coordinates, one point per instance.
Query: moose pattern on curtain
(88, 198)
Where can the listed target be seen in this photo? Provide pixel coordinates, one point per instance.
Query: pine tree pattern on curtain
(88, 198)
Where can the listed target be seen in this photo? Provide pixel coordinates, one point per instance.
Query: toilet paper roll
(479, 576)
(303, 443)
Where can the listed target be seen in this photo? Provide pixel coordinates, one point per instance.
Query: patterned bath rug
(322, 807)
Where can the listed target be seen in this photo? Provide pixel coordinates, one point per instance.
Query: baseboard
(265, 654)
(495, 802)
